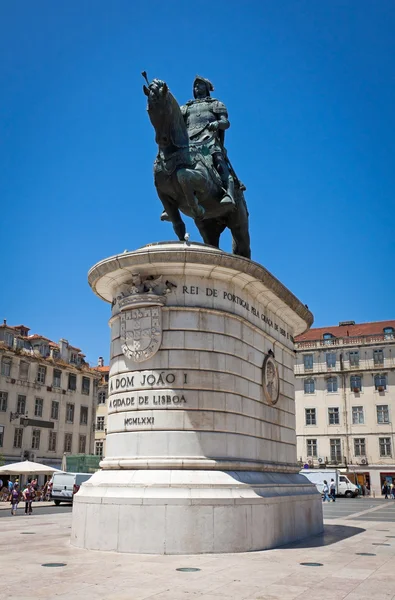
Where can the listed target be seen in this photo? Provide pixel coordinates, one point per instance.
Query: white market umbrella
(27, 467)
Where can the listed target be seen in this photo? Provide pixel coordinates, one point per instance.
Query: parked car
(65, 485)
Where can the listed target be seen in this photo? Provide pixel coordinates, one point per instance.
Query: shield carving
(141, 332)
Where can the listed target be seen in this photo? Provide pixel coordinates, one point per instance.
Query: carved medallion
(270, 379)
(141, 332)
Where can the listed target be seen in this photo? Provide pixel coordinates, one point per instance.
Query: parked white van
(344, 487)
(65, 485)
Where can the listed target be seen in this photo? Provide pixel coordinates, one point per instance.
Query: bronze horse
(186, 180)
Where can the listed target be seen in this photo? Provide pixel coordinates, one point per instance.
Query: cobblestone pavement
(357, 554)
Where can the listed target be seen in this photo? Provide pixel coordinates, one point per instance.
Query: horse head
(166, 117)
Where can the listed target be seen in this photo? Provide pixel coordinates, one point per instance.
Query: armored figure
(207, 120)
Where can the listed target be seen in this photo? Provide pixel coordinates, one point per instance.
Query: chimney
(64, 349)
(5, 322)
(100, 362)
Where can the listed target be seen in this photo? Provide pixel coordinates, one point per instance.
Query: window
(385, 446)
(69, 413)
(310, 416)
(311, 448)
(101, 398)
(100, 424)
(9, 339)
(21, 405)
(38, 407)
(354, 358)
(23, 370)
(55, 410)
(18, 434)
(36, 439)
(356, 383)
(1, 435)
(389, 333)
(331, 384)
(328, 337)
(68, 442)
(359, 447)
(378, 357)
(44, 350)
(333, 415)
(52, 441)
(331, 359)
(309, 386)
(357, 415)
(84, 415)
(6, 367)
(73, 358)
(99, 448)
(72, 382)
(3, 401)
(41, 373)
(57, 378)
(308, 361)
(380, 382)
(82, 444)
(86, 384)
(336, 450)
(383, 415)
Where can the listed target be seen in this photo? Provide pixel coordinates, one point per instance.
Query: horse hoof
(164, 216)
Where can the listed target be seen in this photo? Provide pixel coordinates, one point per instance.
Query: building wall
(14, 385)
(364, 459)
(101, 414)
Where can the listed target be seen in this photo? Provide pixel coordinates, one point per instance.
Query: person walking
(28, 495)
(15, 497)
(325, 491)
(10, 486)
(332, 489)
(385, 490)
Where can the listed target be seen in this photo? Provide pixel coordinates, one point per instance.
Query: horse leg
(210, 230)
(238, 225)
(173, 214)
(189, 180)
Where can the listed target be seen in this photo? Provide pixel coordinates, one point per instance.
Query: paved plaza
(357, 553)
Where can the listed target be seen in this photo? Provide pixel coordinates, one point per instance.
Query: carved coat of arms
(140, 306)
(141, 332)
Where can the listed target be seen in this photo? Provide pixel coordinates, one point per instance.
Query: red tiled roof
(102, 369)
(35, 336)
(341, 331)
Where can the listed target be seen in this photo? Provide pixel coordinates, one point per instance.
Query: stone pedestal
(201, 445)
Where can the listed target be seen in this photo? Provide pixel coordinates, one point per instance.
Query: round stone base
(193, 512)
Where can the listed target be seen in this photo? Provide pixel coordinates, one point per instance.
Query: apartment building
(48, 397)
(101, 409)
(345, 399)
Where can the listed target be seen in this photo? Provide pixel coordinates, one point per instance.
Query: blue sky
(310, 91)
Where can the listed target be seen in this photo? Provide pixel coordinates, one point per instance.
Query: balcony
(363, 340)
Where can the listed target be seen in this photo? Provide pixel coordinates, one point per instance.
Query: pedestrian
(28, 496)
(49, 491)
(385, 490)
(332, 489)
(10, 485)
(15, 497)
(325, 491)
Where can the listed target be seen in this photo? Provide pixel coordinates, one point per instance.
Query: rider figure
(207, 118)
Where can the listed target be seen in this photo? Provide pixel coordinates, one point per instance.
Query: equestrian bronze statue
(192, 172)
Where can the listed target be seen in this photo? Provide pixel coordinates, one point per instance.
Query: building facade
(345, 400)
(101, 409)
(48, 397)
